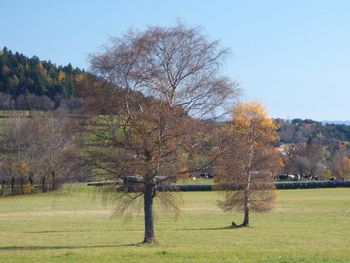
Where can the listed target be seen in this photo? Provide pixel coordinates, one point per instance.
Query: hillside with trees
(30, 83)
(298, 130)
(312, 149)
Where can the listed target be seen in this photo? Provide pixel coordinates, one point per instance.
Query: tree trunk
(246, 197)
(31, 181)
(148, 210)
(246, 209)
(12, 185)
(21, 185)
(53, 180)
(2, 187)
(43, 184)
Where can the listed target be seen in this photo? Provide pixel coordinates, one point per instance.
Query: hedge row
(280, 186)
(206, 188)
(309, 185)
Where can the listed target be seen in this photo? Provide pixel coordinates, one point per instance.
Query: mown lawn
(306, 226)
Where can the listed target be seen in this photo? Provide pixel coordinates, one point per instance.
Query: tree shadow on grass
(214, 228)
(79, 231)
(63, 247)
(205, 228)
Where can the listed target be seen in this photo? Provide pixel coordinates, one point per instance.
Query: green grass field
(305, 226)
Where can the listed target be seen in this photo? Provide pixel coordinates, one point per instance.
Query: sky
(292, 55)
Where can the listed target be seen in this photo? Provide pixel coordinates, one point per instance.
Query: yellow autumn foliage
(251, 119)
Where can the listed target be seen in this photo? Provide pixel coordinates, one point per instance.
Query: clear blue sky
(292, 55)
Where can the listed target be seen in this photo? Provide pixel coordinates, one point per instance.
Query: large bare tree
(168, 78)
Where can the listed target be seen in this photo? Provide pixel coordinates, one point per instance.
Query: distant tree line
(310, 131)
(29, 83)
(315, 150)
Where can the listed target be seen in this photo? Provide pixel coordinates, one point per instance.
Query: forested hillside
(315, 150)
(29, 83)
(309, 131)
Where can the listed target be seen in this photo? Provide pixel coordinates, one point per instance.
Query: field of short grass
(306, 226)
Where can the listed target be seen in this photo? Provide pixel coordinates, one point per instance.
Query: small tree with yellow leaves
(247, 168)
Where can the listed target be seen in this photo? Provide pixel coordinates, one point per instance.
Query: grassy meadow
(306, 226)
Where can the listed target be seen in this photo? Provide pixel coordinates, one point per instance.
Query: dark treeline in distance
(312, 149)
(33, 84)
(298, 130)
